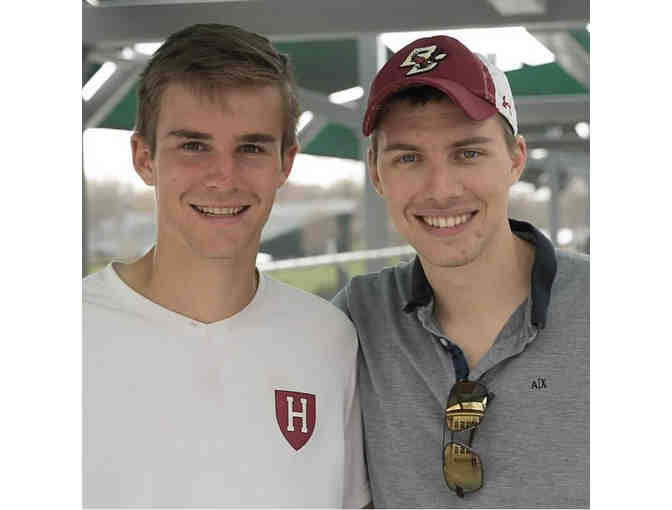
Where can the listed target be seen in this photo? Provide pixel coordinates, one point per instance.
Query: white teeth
(222, 211)
(446, 221)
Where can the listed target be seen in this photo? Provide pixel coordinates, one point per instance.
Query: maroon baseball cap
(472, 82)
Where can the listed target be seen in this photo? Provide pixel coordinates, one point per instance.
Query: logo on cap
(506, 104)
(421, 60)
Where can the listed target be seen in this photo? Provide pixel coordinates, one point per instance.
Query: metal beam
(571, 56)
(553, 109)
(513, 7)
(372, 57)
(311, 130)
(564, 142)
(319, 104)
(108, 96)
(136, 3)
(554, 203)
(290, 19)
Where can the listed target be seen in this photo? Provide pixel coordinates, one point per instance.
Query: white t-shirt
(259, 409)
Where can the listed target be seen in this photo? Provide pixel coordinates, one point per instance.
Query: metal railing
(335, 258)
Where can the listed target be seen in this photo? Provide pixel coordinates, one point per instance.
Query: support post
(371, 59)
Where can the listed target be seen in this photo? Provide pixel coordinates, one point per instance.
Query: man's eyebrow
(199, 135)
(465, 142)
(188, 133)
(400, 147)
(256, 138)
(474, 140)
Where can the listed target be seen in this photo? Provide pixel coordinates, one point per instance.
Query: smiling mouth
(447, 221)
(219, 211)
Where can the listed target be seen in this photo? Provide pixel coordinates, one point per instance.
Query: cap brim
(473, 106)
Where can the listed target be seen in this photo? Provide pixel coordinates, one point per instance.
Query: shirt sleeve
(340, 300)
(356, 492)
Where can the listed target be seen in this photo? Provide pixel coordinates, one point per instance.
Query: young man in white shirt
(206, 383)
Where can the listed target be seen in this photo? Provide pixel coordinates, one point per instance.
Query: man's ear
(518, 159)
(287, 163)
(142, 159)
(373, 171)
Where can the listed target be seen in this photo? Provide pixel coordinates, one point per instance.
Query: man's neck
(473, 302)
(201, 289)
(489, 282)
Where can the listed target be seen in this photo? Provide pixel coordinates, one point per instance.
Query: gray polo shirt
(533, 441)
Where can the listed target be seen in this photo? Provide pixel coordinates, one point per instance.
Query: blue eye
(251, 148)
(408, 158)
(469, 154)
(194, 147)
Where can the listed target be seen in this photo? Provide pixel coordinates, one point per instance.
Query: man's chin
(447, 258)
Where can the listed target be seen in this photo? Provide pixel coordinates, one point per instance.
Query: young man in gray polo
(473, 362)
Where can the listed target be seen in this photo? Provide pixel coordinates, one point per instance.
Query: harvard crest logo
(295, 413)
(421, 60)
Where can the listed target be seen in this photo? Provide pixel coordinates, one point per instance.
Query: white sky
(511, 46)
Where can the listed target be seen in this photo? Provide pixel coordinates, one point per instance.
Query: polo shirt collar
(416, 290)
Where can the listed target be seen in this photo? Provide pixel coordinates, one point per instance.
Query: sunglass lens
(466, 405)
(467, 391)
(458, 421)
(462, 468)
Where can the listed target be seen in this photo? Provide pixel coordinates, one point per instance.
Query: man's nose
(222, 170)
(445, 181)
